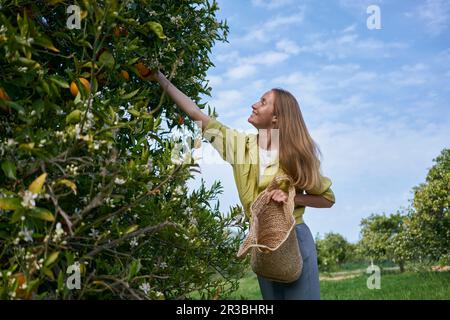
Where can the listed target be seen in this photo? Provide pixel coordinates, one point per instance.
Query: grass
(394, 286)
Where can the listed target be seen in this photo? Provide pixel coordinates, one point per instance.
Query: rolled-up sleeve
(323, 190)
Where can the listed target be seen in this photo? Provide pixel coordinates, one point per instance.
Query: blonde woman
(257, 159)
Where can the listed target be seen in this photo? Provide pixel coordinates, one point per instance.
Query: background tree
(332, 251)
(88, 173)
(379, 236)
(427, 234)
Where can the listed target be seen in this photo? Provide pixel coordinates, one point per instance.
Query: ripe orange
(142, 69)
(74, 87)
(180, 120)
(3, 94)
(124, 74)
(21, 293)
(120, 31)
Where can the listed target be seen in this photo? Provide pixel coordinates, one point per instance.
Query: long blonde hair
(298, 153)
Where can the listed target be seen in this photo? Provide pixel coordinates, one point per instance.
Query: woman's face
(262, 112)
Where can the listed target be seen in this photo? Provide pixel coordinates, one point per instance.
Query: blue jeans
(307, 287)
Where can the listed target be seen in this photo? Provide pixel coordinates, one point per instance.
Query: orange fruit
(124, 74)
(21, 293)
(120, 31)
(3, 94)
(142, 69)
(74, 87)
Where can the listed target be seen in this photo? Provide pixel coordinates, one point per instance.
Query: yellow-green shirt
(241, 151)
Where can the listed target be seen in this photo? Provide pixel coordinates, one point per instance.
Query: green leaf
(10, 203)
(156, 28)
(51, 258)
(132, 229)
(135, 266)
(134, 112)
(43, 41)
(28, 62)
(130, 95)
(49, 273)
(36, 185)
(73, 117)
(67, 183)
(42, 213)
(107, 60)
(9, 169)
(26, 146)
(60, 281)
(90, 65)
(60, 82)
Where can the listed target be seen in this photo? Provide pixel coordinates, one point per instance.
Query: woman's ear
(274, 119)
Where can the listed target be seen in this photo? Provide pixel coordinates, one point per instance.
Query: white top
(266, 157)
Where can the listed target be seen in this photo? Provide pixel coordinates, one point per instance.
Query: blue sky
(375, 101)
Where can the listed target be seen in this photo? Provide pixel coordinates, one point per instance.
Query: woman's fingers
(278, 195)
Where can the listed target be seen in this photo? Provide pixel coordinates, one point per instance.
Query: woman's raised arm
(183, 102)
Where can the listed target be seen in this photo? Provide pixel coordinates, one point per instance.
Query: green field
(394, 286)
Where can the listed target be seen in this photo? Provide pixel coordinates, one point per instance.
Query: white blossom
(28, 199)
(11, 142)
(94, 233)
(134, 242)
(59, 233)
(119, 181)
(178, 190)
(150, 164)
(26, 234)
(145, 287)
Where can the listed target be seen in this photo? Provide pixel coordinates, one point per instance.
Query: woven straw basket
(276, 255)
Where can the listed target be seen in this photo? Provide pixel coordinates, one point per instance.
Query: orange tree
(88, 188)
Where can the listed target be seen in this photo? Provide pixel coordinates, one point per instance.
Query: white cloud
(267, 31)
(271, 4)
(227, 56)
(409, 75)
(350, 45)
(288, 46)
(435, 14)
(359, 4)
(227, 102)
(214, 80)
(241, 71)
(246, 67)
(265, 58)
(350, 28)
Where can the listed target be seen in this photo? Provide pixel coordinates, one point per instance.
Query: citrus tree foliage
(332, 251)
(419, 233)
(427, 228)
(379, 238)
(87, 181)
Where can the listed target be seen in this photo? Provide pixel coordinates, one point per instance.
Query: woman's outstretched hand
(278, 195)
(146, 73)
(153, 75)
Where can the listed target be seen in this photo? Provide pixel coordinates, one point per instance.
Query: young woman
(256, 160)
